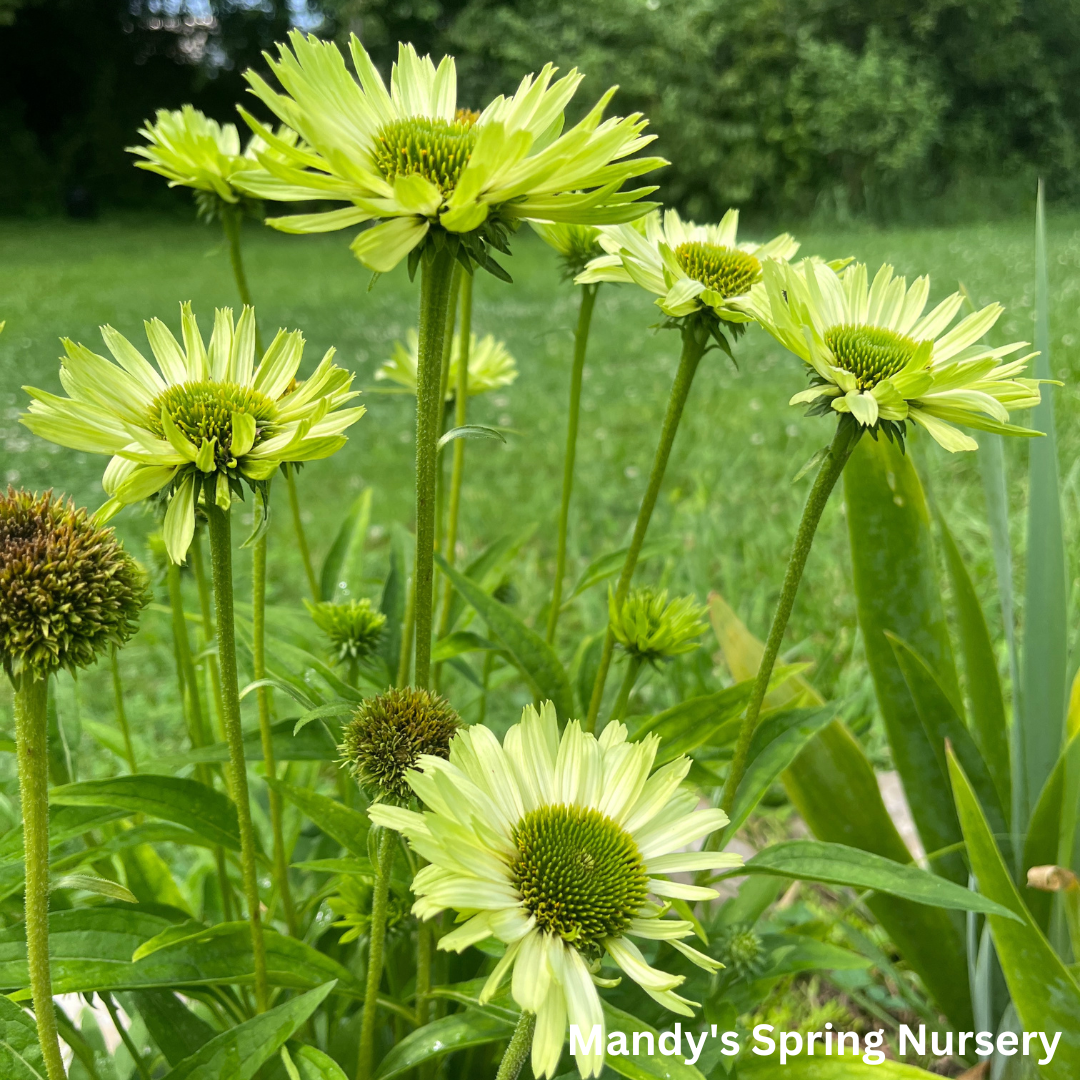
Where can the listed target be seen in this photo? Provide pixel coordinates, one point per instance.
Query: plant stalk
(121, 714)
(581, 343)
(695, 339)
(125, 1036)
(633, 667)
(209, 632)
(444, 383)
(437, 271)
(189, 683)
(221, 565)
(301, 536)
(847, 435)
(376, 941)
(407, 629)
(518, 1050)
(31, 728)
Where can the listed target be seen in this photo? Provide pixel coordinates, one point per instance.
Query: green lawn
(728, 507)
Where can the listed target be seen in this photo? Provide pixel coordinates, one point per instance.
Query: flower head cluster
(354, 628)
(651, 629)
(577, 245)
(553, 845)
(690, 267)
(68, 589)
(391, 733)
(410, 159)
(490, 364)
(873, 354)
(205, 420)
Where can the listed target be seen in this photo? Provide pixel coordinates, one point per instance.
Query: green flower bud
(68, 590)
(354, 628)
(649, 628)
(742, 951)
(390, 732)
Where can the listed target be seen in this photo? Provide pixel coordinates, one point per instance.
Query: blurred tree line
(836, 107)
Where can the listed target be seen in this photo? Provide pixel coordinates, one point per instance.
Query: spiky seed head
(354, 628)
(726, 270)
(68, 589)
(387, 735)
(651, 629)
(742, 951)
(871, 353)
(438, 150)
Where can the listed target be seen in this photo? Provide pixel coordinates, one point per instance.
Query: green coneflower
(650, 629)
(576, 245)
(354, 628)
(68, 593)
(490, 365)
(742, 951)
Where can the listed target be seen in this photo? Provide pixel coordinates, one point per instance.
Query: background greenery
(827, 107)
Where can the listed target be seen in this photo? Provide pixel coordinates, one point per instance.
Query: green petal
(384, 246)
(243, 434)
(179, 525)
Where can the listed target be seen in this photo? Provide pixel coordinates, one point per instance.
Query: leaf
(607, 566)
(171, 798)
(1044, 993)
(489, 566)
(239, 1053)
(711, 719)
(313, 1064)
(461, 641)
(836, 864)
(320, 712)
(777, 743)
(190, 930)
(897, 590)
(642, 1066)
(341, 567)
(848, 1067)
(470, 431)
(988, 724)
(459, 1031)
(531, 654)
(20, 1052)
(176, 1030)
(341, 823)
(796, 953)
(90, 883)
(360, 868)
(394, 594)
(308, 744)
(1046, 590)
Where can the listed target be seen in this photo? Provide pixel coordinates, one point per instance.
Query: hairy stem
(622, 699)
(189, 683)
(221, 565)
(376, 941)
(581, 342)
(407, 629)
(437, 271)
(209, 633)
(518, 1050)
(301, 536)
(694, 342)
(847, 435)
(121, 713)
(31, 728)
(444, 383)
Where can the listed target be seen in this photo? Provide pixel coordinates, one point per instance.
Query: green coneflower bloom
(409, 159)
(742, 951)
(553, 845)
(689, 267)
(873, 354)
(205, 421)
(390, 733)
(490, 364)
(650, 629)
(68, 589)
(354, 627)
(577, 245)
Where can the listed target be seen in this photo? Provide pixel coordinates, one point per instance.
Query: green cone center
(870, 353)
(728, 271)
(437, 150)
(579, 874)
(204, 411)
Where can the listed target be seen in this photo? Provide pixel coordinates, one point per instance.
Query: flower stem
(581, 342)
(461, 406)
(847, 435)
(518, 1050)
(189, 683)
(262, 694)
(125, 1036)
(695, 339)
(407, 628)
(618, 710)
(376, 940)
(221, 566)
(425, 954)
(437, 271)
(121, 714)
(31, 725)
(208, 631)
(301, 536)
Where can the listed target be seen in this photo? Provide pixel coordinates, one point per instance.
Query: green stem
(581, 343)
(31, 726)
(125, 1037)
(695, 339)
(262, 695)
(376, 941)
(425, 955)
(847, 435)
(301, 536)
(121, 714)
(409, 625)
(618, 710)
(444, 382)
(461, 408)
(189, 683)
(221, 566)
(437, 268)
(208, 630)
(518, 1050)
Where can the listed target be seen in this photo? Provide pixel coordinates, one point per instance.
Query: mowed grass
(728, 509)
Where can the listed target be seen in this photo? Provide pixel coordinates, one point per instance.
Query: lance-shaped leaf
(176, 1030)
(20, 1052)
(849, 1067)
(459, 1031)
(340, 822)
(341, 567)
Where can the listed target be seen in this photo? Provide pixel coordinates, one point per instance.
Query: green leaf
(711, 719)
(360, 868)
(392, 602)
(313, 1064)
(489, 566)
(531, 654)
(1046, 591)
(176, 1030)
(171, 798)
(310, 743)
(988, 723)
(835, 864)
(189, 930)
(20, 1052)
(341, 823)
(239, 1053)
(796, 953)
(777, 743)
(654, 1066)
(1044, 993)
(459, 642)
(823, 1068)
(470, 431)
(607, 566)
(341, 567)
(897, 590)
(459, 1031)
(99, 885)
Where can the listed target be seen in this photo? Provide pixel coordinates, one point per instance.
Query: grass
(728, 509)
